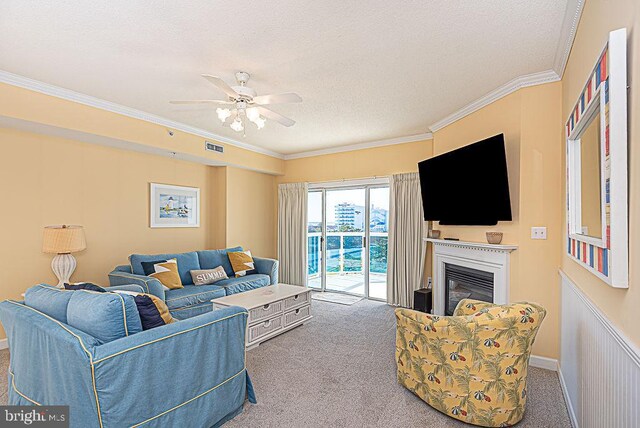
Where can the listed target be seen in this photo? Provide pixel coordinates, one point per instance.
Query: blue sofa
(188, 373)
(194, 300)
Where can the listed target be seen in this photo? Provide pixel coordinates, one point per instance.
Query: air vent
(213, 147)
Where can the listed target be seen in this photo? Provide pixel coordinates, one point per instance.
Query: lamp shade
(63, 239)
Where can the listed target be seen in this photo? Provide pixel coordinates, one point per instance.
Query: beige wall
(531, 122)
(377, 161)
(49, 181)
(598, 19)
(251, 207)
(218, 207)
(18, 104)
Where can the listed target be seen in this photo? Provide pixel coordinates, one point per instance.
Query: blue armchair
(189, 373)
(194, 300)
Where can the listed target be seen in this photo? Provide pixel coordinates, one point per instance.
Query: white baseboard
(4, 344)
(543, 363)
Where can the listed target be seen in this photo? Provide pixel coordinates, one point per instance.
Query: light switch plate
(539, 232)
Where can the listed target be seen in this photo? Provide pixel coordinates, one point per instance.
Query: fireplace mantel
(476, 245)
(492, 258)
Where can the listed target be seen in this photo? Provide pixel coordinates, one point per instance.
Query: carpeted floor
(338, 370)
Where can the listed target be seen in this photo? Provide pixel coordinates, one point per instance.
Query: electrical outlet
(539, 233)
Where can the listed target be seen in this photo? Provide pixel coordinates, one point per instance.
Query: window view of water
(346, 231)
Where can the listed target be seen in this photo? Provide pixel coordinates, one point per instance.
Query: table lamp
(62, 241)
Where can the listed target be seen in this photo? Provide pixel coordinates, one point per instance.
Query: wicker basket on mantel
(494, 237)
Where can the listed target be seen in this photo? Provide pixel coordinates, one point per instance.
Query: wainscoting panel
(599, 367)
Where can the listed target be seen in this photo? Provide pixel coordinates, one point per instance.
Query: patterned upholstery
(471, 366)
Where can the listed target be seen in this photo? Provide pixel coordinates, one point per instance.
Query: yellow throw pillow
(242, 263)
(167, 274)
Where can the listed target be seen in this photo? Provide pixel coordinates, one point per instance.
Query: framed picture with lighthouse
(174, 206)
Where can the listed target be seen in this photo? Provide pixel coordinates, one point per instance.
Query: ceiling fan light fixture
(260, 121)
(253, 114)
(244, 103)
(237, 124)
(223, 114)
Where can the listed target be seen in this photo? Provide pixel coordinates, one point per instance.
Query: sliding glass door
(347, 239)
(345, 233)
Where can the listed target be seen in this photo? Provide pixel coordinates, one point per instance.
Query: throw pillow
(149, 267)
(208, 276)
(167, 273)
(152, 310)
(242, 263)
(84, 286)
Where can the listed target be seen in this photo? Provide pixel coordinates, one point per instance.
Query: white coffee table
(272, 310)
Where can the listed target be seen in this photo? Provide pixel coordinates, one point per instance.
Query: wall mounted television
(468, 186)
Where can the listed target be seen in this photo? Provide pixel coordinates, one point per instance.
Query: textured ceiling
(367, 70)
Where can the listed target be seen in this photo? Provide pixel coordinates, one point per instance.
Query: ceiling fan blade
(270, 114)
(289, 97)
(221, 84)
(201, 102)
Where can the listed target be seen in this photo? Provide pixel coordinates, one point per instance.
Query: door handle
(364, 242)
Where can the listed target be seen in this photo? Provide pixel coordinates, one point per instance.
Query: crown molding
(69, 95)
(504, 90)
(570, 22)
(360, 146)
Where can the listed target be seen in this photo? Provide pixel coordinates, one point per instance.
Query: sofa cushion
(49, 300)
(186, 263)
(244, 283)
(210, 259)
(192, 295)
(105, 316)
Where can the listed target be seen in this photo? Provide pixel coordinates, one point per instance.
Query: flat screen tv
(467, 186)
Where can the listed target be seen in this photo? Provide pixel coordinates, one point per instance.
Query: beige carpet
(338, 370)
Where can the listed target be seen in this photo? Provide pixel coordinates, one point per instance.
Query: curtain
(292, 233)
(407, 249)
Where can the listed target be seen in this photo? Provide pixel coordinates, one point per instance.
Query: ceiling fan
(244, 102)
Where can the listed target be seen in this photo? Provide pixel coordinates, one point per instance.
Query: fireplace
(480, 271)
(466, 283)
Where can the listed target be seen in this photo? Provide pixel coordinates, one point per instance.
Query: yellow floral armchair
(471, 366)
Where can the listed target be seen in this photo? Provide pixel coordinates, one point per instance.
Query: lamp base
(63, 266)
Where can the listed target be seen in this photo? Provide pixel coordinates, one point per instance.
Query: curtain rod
(342, 180)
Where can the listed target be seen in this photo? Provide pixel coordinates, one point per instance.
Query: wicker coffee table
(272, 310)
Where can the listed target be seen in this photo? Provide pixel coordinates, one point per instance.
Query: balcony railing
(345, 253)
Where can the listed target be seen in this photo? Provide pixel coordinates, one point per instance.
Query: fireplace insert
(466, 283)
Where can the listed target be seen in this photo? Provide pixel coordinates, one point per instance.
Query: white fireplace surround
(485, 257)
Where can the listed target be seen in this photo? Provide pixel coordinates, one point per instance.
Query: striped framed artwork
(596, 133)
